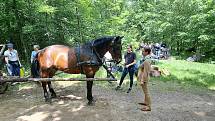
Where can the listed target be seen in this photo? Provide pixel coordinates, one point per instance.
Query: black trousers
(35, 69)
(129, 70)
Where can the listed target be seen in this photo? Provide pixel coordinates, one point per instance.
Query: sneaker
(129, 90)
(117, 88)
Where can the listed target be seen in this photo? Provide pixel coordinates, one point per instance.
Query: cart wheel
(3, 87)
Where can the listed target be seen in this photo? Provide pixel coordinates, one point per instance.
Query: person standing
(130, 61)
(157, 50)
(143, 77)
(12, 61)
(34, 53)
(34, 64)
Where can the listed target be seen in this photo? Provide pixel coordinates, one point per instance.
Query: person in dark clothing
(34, 62)
(130, 60)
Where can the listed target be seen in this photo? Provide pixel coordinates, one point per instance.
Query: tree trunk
(20, 23)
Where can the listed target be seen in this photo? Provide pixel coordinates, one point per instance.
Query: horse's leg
(89, 91)
(44, 84)
(46, 95)
(53, 94)
(51, 90)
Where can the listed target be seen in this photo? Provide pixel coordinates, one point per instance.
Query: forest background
(186, 26)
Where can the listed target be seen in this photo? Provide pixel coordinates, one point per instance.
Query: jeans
(157, 53)
(129, 70)
(9, 69)
(13, 68)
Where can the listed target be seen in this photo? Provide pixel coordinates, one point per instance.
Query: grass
(189, 73)
(185, 73)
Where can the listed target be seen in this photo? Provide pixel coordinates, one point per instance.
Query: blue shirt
(33, 55)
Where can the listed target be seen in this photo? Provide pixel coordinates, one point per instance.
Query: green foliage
(57, 22)
(182, 24)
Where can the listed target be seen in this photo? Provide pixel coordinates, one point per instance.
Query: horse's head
(115, 49)
(111, 44)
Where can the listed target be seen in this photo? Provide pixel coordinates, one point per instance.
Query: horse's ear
(119, 38)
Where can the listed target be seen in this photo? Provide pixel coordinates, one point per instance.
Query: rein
(101, 61)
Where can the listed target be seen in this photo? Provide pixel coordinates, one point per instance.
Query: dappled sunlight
(55, 115)
(76, 109)
(25, 88)
(209, 103)
(28, 110)
(202, 81)
(66, 83)
(212, 87)
(61, 102)
(200, 113)
(71, 97)
(56, 119)
(38, 116)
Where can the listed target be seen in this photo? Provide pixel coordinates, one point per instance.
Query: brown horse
(85, 59)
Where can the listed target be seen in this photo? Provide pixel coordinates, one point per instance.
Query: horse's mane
(100, 41)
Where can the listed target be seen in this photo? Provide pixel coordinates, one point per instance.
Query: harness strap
(101, 62)
(97, 55)
(78, 52)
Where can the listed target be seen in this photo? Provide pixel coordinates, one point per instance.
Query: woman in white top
(12, 60)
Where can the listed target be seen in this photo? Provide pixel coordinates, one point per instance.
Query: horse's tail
(35, 67)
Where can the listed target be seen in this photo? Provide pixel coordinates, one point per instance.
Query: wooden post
(13, 79)
(2, 49)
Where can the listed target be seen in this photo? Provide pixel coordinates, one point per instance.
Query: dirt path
(170, 102)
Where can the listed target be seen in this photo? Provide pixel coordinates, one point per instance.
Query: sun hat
(10, 45)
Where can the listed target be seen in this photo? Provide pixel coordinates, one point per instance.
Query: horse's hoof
(48, 100)
(53, 95)
(91, 102)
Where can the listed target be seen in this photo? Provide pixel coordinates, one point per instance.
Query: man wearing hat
(12, 60)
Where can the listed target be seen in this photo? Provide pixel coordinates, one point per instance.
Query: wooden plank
(11, 79)
(2, 49)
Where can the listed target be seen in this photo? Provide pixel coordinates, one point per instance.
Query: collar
(147, 57)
